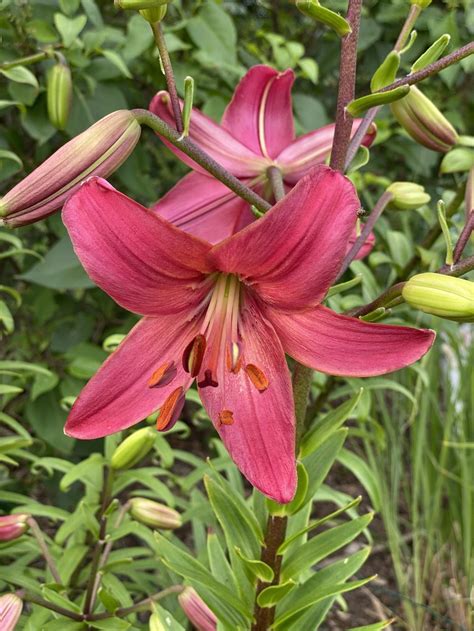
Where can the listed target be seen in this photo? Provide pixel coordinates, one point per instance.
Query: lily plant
(224, 315)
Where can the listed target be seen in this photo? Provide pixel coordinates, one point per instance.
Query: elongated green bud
(314, 10)
(386, 72)
(359, 106)
(433, 53)
(133, 449)
(154, 14)
(137, 5)
(408, 195)
(98, 151)
(59, 94)
(424, 122)
(441, 295)
(154, 514)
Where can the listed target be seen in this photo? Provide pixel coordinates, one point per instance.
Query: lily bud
(98, 151)
(154, 14)
(408, 195)
(444, 296)
(198, 613)
(139, 4)
(13, 526)
(422, 3)
(424, 122)
(133, 449)
(59, 93)
(154, 514)
(10, 611)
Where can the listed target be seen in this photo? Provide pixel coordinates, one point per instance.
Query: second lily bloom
(256, 132)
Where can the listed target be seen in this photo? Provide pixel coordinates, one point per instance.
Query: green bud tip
(441, 295)
(154, 514)
(133, 449)
(407, 195)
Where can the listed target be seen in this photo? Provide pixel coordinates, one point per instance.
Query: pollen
(171, 409)
(257, 377)
(163, 375)
(194, 354)
(208, 380)
(226, 417)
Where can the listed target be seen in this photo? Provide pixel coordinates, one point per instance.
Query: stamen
(170, 410)
(226, 417)
(193, 355)
(208, 380)
(163, 375)
(257, 377)
(233, 357)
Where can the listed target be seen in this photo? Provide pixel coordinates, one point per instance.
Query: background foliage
(411, 434)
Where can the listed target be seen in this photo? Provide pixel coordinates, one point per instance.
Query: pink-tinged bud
(13, 526)
(196, 610)
(424, 122)
(10, 611)
(153, 514)
(98, 151)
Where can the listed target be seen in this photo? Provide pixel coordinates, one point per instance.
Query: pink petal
(340, 345)
(118, 395)
(365, 249)
(292, 255)
(260, 113)
(204, 207)
(142, 261)
(214, 139)
(313, 148)
(261, 440)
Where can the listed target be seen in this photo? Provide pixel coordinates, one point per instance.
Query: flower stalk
(38, 535)
(169, 74)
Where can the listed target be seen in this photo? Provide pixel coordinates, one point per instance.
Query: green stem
(26, 61)
(169, 74)
(37, 533)
(143, 605)
(191, 149)
(36, 600)
(409, 23)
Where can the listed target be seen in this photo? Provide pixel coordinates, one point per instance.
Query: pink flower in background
(196, 610)
(10, 611)
(256, 132)
(225, 315)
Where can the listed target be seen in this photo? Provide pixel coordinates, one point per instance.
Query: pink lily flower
(256, 132)
(225, 315)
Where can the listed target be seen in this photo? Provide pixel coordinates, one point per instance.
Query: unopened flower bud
(139, 4)
(444, 296)
(424, 122)
(196, 610)
(59, 94)
(408, 195)
(13, 526)
(10, 611)
(133, 449)
(98, 151)
(154, 514)
(154, 14)
(422, 3)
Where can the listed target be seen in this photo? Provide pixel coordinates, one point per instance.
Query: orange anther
(171, 409)
(257, 377)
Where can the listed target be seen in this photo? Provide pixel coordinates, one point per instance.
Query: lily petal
(260, 113)
(147, 265)
(366, 248)
(118, 395)
(339, 345)
(261, 439)
(297, 158)
(204, 207)
(293, 253)
(214, 139)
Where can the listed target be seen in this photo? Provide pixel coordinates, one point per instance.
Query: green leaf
(328, 425)
(10, 163)
(218, 562)
(298, 501)
(69, 28)
(322, 545)
(433, 53)
(319, 462)
(86, 471)
(59, 599)
(6, 389)
(239, 525)
(386, 72)
(60, 269)
(20, 74)
(117, 61)
(213, 31)
(164, 620)
(272, 595)
(110, 624)
(457, 160)
(6, 318)
(378, 626)
(364, 474)
(255, 568)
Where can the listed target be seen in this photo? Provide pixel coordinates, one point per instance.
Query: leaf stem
(191, 149)
(38, 534)
(37, 600)
(169, 74)
(142, 605)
